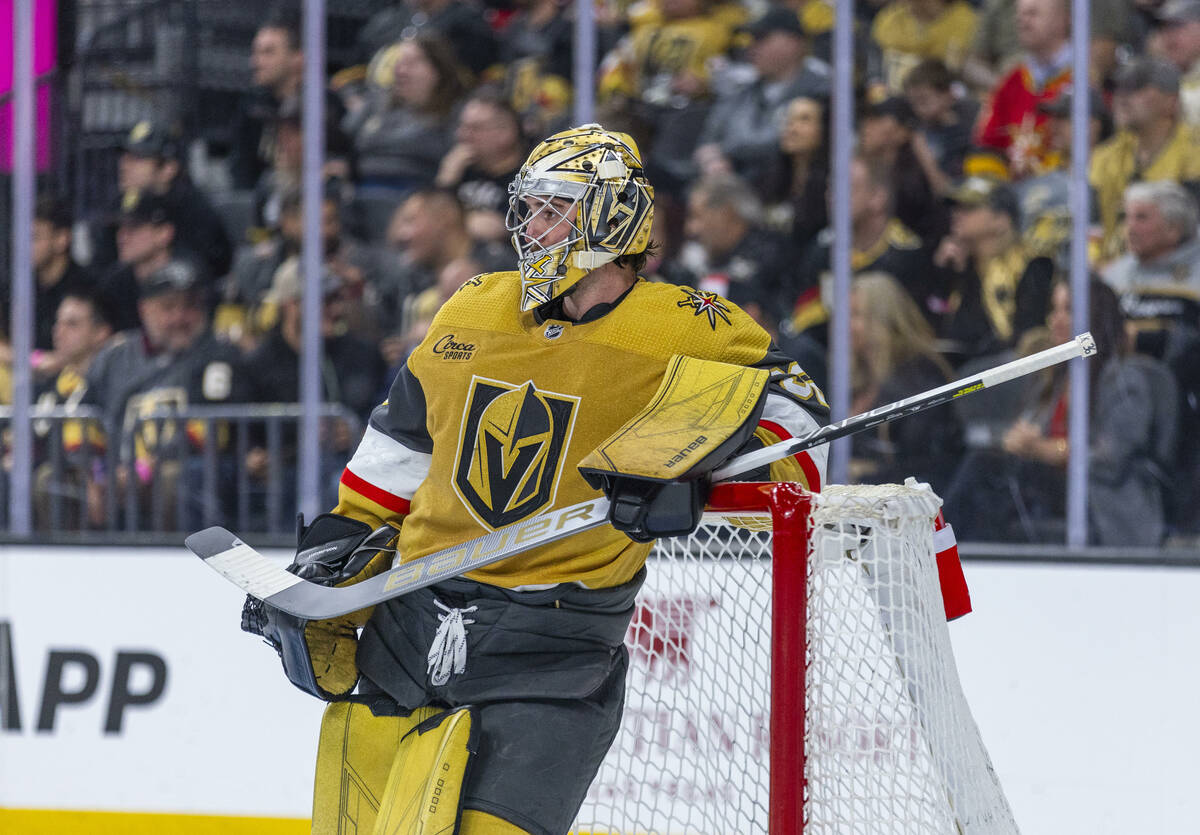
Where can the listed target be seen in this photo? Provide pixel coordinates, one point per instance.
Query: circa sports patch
(510, 452)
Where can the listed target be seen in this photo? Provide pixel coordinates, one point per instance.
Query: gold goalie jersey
(489, 418)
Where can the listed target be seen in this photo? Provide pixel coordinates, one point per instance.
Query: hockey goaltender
(485, 704)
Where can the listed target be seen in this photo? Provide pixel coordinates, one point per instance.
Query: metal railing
(170, 471)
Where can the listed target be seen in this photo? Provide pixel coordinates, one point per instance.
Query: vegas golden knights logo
(510, 453)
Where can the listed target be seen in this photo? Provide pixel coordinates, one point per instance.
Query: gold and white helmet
(609, 207)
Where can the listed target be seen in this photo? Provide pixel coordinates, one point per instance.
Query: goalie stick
(265, 579)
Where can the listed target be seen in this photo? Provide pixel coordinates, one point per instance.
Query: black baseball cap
(176, 276)
(138, 207)
(1144, 72)
(777, 19)
(148, 139)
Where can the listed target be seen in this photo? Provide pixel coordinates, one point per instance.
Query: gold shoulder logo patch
(706, 303)
(473, 281)
(510, 452)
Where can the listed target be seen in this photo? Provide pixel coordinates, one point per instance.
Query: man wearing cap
(172, 360)
(150, 162)
(1153, 144)
(145, 242)
(742, 129)
(997, 290)
(1179, 24)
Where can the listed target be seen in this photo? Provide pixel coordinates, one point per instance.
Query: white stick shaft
(1081, 346)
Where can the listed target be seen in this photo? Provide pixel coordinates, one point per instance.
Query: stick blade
(237, 562)
(210, 542)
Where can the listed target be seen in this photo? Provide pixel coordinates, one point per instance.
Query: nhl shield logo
(510, 453)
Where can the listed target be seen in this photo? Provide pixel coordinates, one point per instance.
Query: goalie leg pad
(425, 787)
(354, 758)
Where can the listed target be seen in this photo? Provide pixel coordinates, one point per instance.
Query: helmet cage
(608, 206)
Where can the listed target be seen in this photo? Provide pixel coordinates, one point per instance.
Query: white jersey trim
(386, 463)
(799, 422)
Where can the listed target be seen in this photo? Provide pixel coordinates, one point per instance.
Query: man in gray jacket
(741, 131)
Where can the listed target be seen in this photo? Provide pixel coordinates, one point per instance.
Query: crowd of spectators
(960, 222)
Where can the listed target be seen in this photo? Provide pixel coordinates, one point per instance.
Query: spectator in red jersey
(1011, 122)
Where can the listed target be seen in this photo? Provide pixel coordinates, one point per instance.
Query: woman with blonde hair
(894, 355)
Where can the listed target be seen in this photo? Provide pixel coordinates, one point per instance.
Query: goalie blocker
(653, 469)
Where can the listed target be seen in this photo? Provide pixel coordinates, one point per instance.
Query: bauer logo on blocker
(510, 453)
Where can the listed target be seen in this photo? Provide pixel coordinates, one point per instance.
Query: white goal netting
(890, 745)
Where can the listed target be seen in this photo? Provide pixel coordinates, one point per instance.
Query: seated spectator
(727, 251)
(401, 133)
(150, 162)
(1158, 278)
(429, 230)
(998, 290)
(56, 275)
(172, 361)
(1179, 25)
(538, 45)
(277, 73)
(1045, 199)
(944, 121)
(145, 244)
(1153, 143)
(81, 328)
(894, 355)
(795, 181)
(460, 23)
(655, 83)
(364, 270)
(888, 137)
(910, 31)
(1158, 281)
(1011, 122)
(997, 45)
(353, 376)
(489, 150)
(743, 126)
(1019, 490)
(879, 243)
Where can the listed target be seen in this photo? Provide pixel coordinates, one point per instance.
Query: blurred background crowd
(168, 229)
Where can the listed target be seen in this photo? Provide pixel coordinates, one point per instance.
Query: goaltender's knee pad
(393, 774)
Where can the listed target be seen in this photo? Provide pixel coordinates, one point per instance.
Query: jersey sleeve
(391, 460)
(795, 407)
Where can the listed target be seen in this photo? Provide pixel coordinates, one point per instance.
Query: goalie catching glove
(654, 468)
(318, 656)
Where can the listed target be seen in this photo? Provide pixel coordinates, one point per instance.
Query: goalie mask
(580, 201)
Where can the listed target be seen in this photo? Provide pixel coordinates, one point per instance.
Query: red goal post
(841, 712)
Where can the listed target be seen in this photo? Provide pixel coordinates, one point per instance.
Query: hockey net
(711, 742)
